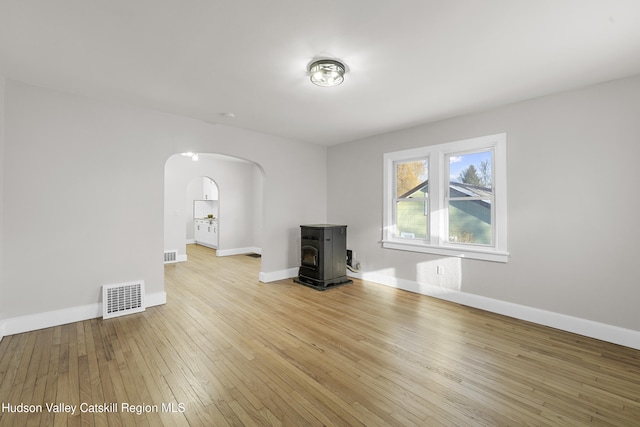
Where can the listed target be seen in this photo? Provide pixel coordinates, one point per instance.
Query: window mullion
(437, 165)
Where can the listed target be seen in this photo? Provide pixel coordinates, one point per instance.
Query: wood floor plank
(44, 340)
(228, 350)
(50, 393)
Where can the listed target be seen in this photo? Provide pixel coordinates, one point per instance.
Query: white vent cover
(170, 257)
(123, 298)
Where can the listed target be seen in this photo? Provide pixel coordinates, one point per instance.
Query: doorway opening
(224, 193)
(202, 221)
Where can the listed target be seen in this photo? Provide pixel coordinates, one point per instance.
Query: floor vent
(170, 257)
(123, 298)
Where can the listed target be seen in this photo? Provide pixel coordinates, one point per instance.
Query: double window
(448, 199)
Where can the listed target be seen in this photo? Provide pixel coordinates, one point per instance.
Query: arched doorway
(239, 206)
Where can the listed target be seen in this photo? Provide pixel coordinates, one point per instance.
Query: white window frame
(438, 174)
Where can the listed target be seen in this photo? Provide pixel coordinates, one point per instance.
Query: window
(448, 199)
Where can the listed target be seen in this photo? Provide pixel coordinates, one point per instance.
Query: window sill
(484, 255)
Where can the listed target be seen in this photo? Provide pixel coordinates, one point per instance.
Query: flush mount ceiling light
(194, 156)
(326, 72)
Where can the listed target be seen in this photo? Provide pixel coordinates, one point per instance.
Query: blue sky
(458, 163)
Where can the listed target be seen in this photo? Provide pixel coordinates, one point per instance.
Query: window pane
(411, 179)
(412, 219)
(471, 174)
(470, 221)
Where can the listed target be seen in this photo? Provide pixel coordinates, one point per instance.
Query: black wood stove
(323, 261)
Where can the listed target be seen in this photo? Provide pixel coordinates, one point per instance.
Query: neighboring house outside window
(448, 199)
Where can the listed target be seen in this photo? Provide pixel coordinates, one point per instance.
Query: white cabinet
(199, 230)
(209, 189)
(213, 234)
(206, 233)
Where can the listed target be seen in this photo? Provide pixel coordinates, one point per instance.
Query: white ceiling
(409, 61)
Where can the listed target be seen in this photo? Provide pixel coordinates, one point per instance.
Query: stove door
(309, 256)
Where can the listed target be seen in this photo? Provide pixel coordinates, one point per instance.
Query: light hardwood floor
(229, 350)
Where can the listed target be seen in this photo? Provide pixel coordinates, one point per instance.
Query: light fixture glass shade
(194, 156)
(326, 72)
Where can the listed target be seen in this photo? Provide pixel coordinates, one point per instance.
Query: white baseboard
(179, 258)
(32, 322)
(272, 276)
(613, 334)
(190, 242)
(238, 251)
(208, 245)
(156, 298)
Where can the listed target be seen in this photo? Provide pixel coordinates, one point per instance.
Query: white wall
(1, 181)
(194, 192)
(84, 189)
(572, 205)
(237, 194)
(258, 186)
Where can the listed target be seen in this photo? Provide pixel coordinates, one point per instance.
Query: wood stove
(323, 256)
